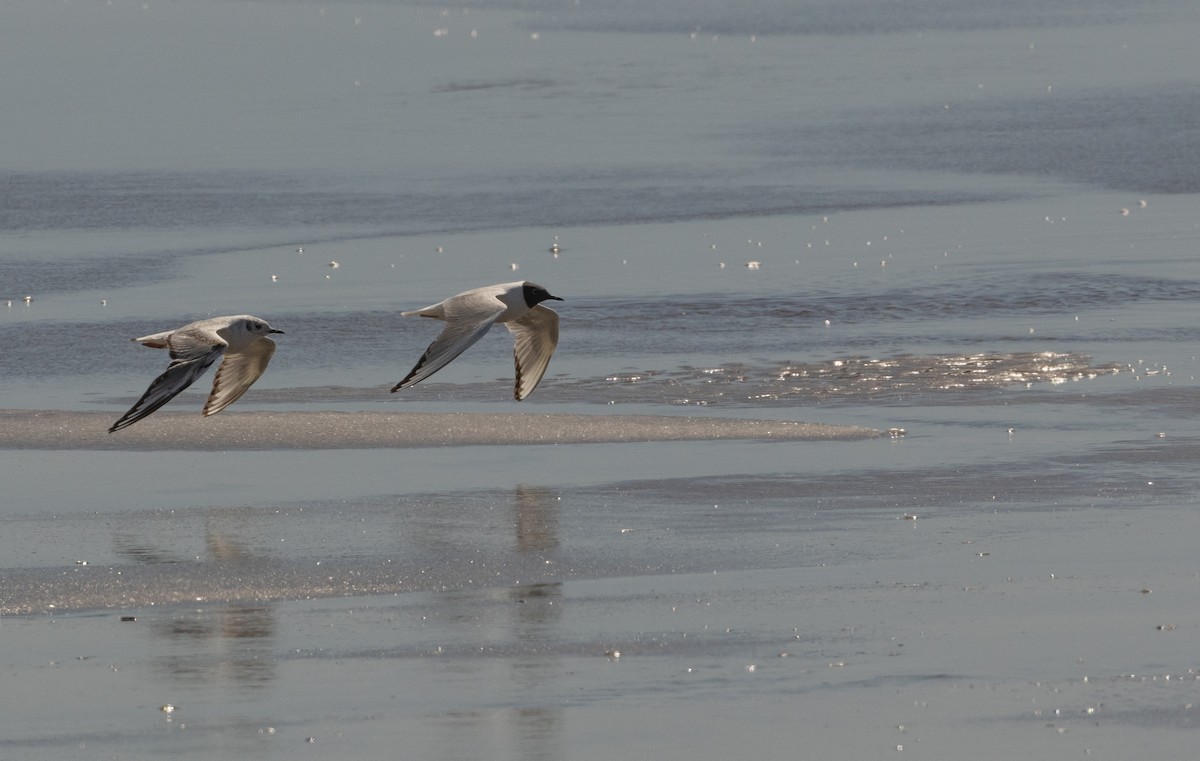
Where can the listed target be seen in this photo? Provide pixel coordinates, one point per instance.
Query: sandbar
(57, 429)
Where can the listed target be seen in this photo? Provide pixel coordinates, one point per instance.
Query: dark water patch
(819, 16)
(329, 207)
(55, 349)
(1040, 293)
(1147, 143)
(1179, 403)
(97, 201)
(48, 349)
(975, 312)
(20, 277)
(1177, 714)
(1164, 452)
(525, 84)
(974, 295)
(763, 502)
(56, 201)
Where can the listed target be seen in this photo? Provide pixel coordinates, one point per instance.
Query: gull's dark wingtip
(405, 382)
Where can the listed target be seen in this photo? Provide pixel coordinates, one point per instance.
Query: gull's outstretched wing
(535, 337)
(458, 335)
(192, 351)
(237, 372)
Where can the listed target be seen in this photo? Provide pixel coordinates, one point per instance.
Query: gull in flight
(241, 340)
(471, 314)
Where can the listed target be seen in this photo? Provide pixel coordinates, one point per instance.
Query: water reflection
(225, 546)
(169, 538)
(534, 624)
(538, 729)
(517, 629)
(536, 518)
(224, 643)
(141, 550)
(231, 643)
(539, 733)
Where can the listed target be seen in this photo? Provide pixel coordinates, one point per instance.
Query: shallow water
(944, 254)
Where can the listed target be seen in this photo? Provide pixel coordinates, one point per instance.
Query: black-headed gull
(240, 339)
(471, 314)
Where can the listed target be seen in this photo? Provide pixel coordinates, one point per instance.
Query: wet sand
(580, 624)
